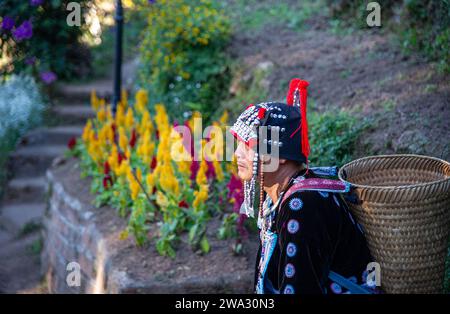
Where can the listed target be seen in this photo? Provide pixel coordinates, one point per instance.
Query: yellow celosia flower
(94, 148)
(113, 158)
(123, 139)
(218, 170)
(129, 119)
(161, 200)
(201, 173)
(122, 170)
(161, 118)
(150, 181)
(87, 131)
(145, 148)
(133, 183)
(109, 116)
(146, 123)
(94, 100)
(120, 115)
(168, 180)
(134, 188)
(223, 120)
(141, 100)
(124, 98)
(200, 196)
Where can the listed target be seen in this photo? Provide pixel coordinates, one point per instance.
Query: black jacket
(316, 234)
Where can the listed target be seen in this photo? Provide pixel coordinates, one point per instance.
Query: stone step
(73, 114)
(29, 161)
(59, 135)
(14, 217)
(82, 92)
(5, 237)
(25, 190)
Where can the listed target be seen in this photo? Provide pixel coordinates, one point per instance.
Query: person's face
(244, 156)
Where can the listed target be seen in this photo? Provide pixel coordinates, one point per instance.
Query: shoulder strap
(317, 184)
(350, 285)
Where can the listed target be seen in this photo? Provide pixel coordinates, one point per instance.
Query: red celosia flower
(121, 156)
(153, 163)
(114, 129)
(107, 180)
(184, 204)
(133, 138)
(106, 168)
(72, 142)
(235, 189)
(194, 168)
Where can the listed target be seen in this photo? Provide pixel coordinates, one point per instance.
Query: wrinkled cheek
(244, 174)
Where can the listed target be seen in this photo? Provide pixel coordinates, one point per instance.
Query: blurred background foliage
(49, 45)
(183, 60)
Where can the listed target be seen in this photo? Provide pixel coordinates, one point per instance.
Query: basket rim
(392, 187)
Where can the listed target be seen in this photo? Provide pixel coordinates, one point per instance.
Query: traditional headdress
(289, 119)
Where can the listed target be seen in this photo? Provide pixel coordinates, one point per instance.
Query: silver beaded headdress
(288, 120)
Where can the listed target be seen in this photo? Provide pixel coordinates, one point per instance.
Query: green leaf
(204, 245)
(193, 232)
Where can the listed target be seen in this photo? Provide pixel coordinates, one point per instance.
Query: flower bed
(141, 166)
(76, 231)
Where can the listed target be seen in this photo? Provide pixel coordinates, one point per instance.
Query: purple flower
(7, 23)
(24, 31)
(151, 1)
(35, 3)
(30, 60)
(48, 77)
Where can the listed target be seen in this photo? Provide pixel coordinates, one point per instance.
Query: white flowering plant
(21, 107)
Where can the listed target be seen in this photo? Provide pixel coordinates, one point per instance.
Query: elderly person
(309, 241)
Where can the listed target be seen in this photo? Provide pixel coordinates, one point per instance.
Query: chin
(244, 175)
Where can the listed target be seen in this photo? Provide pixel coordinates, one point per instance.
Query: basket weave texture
(403, 204)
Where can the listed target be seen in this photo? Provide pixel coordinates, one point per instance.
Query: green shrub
(182, 54)
(427, 29)
(333, 136)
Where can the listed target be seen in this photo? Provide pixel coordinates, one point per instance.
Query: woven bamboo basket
(403, 204)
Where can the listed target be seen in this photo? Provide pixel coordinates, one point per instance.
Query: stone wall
(76, 231)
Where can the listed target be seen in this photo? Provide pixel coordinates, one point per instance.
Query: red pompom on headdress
(261, 113)
(297, 96)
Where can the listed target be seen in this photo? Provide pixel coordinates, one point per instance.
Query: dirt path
(364, 71)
